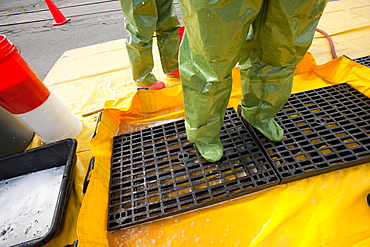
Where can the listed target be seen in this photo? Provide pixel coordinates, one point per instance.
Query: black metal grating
(363, 60)
(325, 129)
(157, 173)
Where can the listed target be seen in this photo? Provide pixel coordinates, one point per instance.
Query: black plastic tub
(60, 156)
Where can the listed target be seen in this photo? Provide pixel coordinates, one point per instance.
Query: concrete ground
(29, 25)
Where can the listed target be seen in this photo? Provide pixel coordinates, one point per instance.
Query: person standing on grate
(267, 38)
(142, 19)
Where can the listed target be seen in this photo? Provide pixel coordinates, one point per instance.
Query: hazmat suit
(216, 39)
(142, 19)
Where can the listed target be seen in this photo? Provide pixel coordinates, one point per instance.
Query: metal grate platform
(325, 129)
(363, 60)
(157, 173)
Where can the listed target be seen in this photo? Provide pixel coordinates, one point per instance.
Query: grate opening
(157, 173)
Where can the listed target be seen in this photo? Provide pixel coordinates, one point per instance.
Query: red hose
(332, 48)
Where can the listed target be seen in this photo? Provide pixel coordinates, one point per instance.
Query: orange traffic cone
(59, 18)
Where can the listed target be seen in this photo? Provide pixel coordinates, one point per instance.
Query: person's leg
(140, 21)
(167, 35)
(214, 31)
(283, 32)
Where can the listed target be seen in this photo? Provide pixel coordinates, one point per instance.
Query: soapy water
(28, 205)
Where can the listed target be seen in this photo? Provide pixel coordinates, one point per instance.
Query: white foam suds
(27, 205)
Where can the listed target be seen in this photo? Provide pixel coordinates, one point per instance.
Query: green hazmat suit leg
(283, 32)
(215, 40)
(142, 19)
(214, 33)
(168, 35)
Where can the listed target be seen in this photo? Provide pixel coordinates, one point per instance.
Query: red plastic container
(23, 94)
(20, 88)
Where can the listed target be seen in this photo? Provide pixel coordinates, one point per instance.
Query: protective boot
(211, 151)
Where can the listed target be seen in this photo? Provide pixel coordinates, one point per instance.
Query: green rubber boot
(211, 151)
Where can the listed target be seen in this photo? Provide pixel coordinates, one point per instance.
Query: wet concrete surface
(30, 27)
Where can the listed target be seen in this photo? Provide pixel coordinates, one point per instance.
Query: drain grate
(363, 60)
(325, 129)
(157, 173)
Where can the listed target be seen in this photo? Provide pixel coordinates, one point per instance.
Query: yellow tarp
(330, 209)
(348, 24)
(326, 210)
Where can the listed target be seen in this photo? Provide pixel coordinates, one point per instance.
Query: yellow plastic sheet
(326, 210)
(347, 22)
